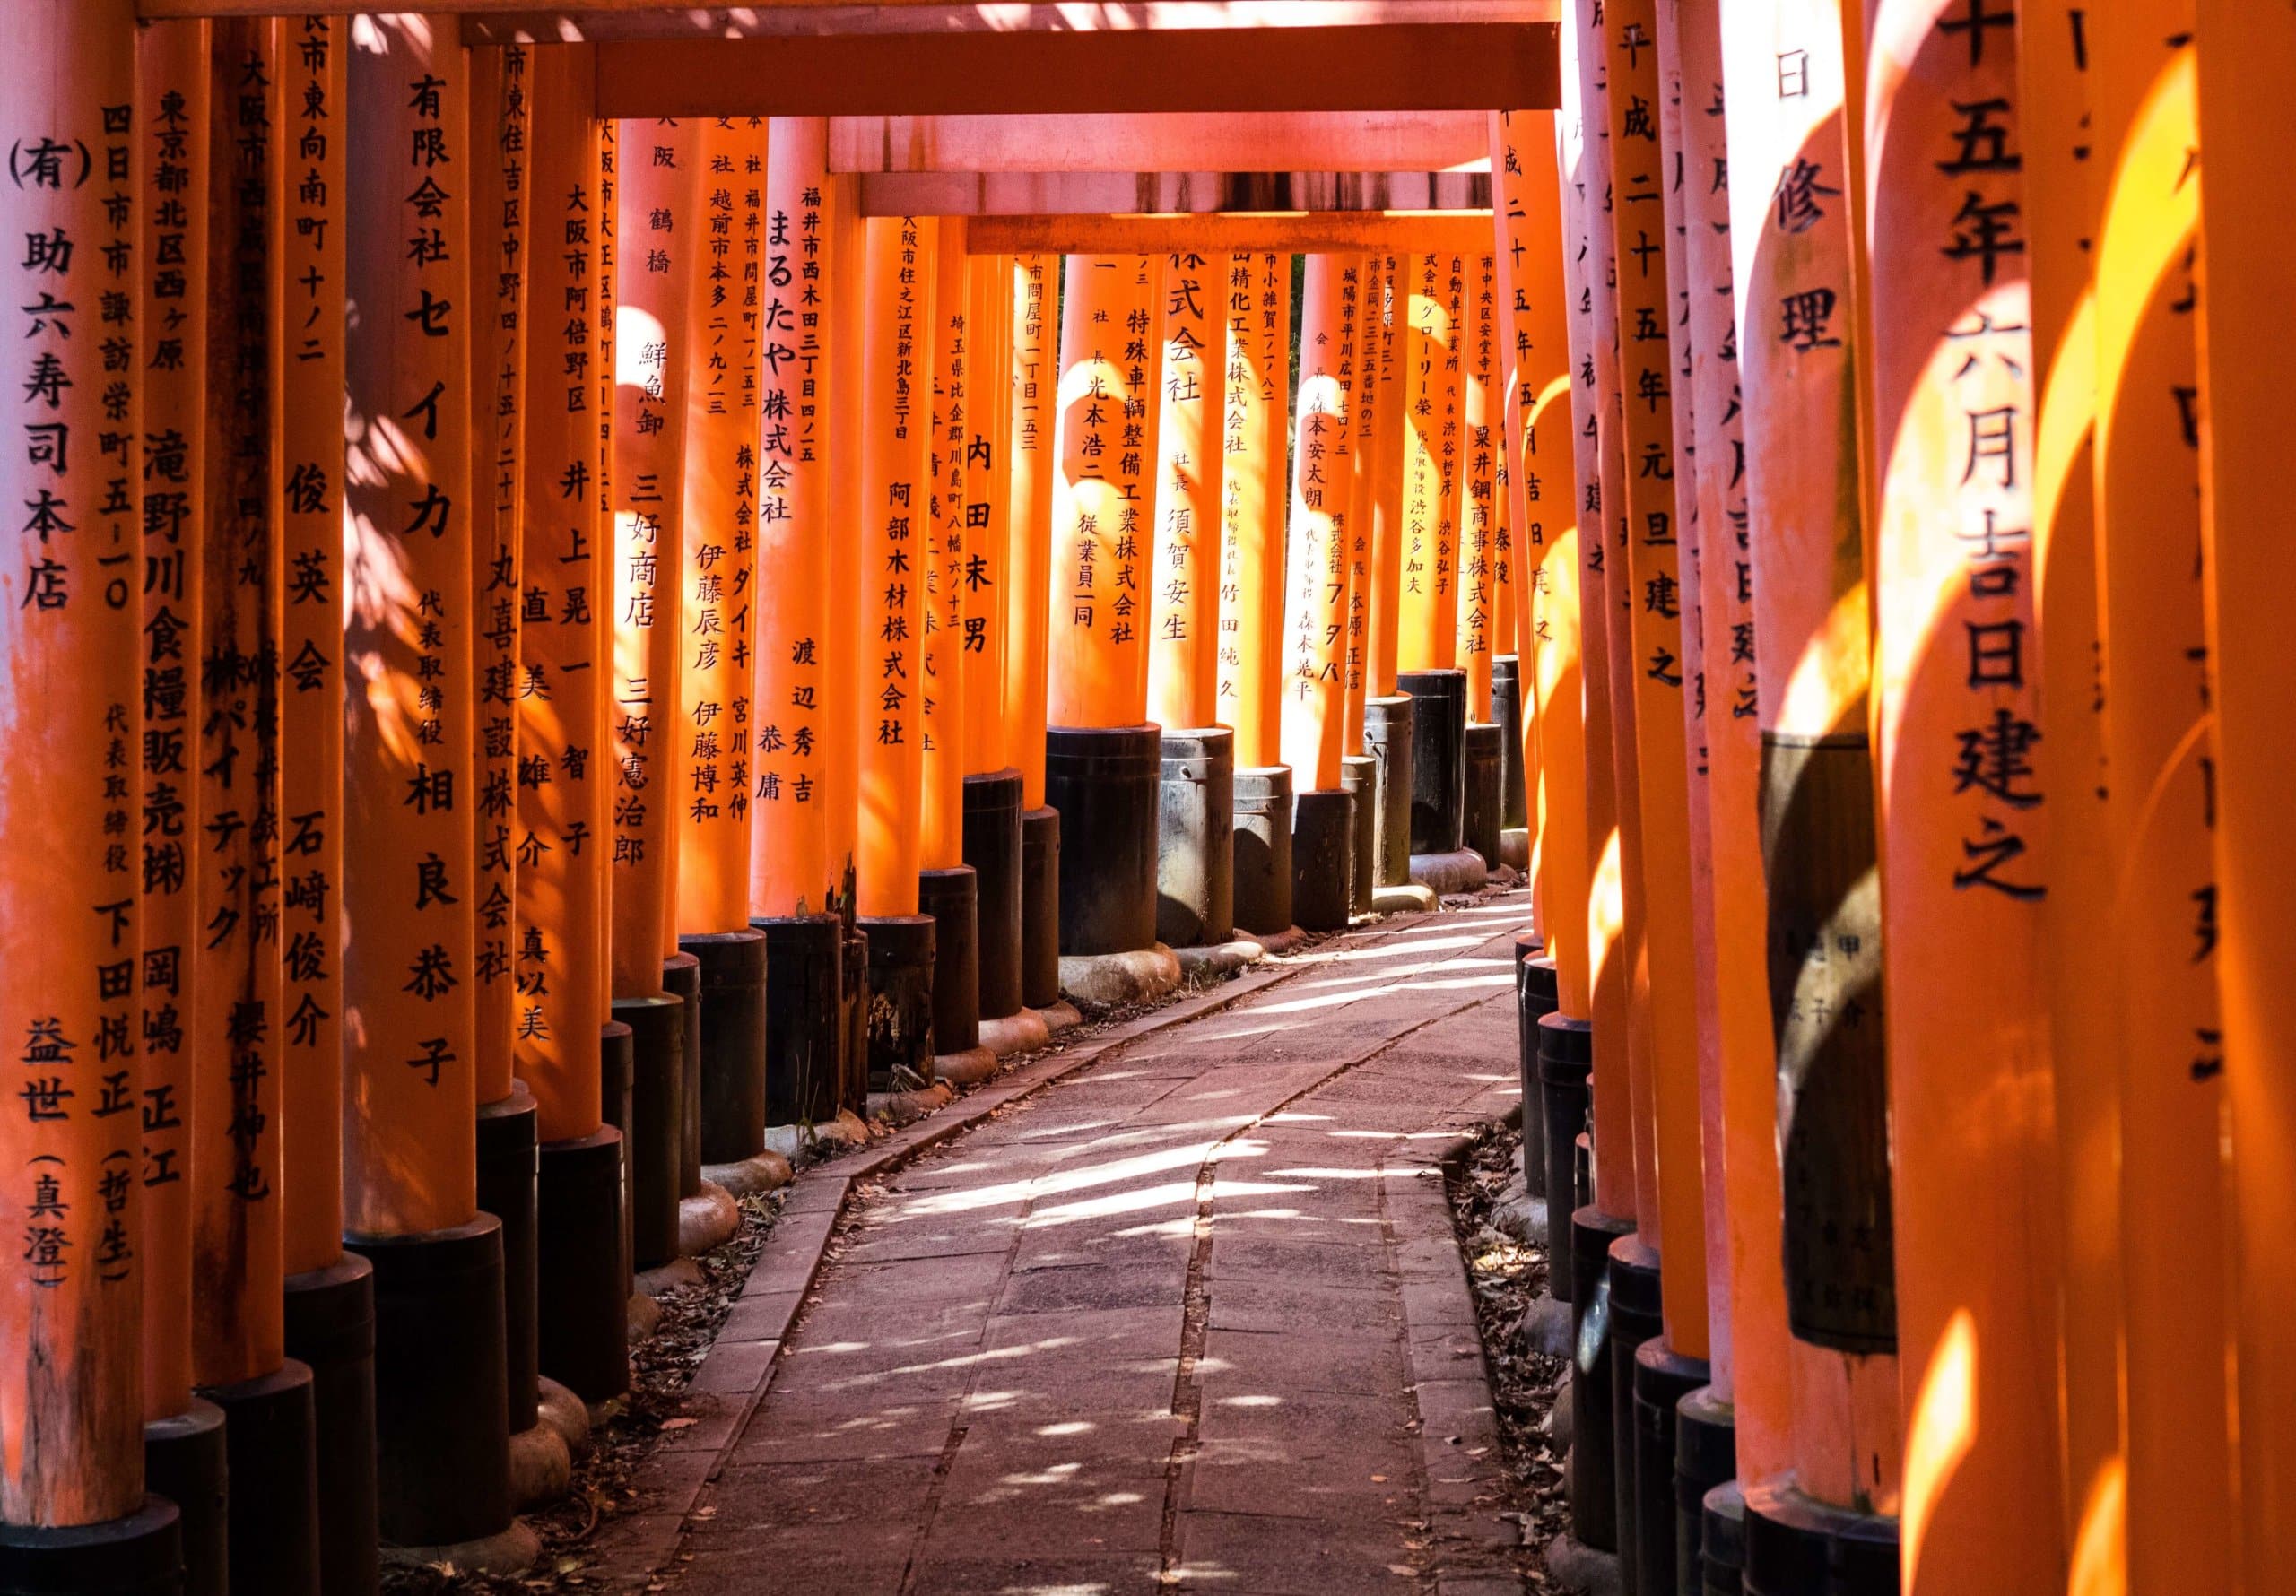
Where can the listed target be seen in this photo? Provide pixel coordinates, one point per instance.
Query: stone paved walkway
(1192, 1318)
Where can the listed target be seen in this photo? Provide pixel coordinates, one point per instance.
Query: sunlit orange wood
(1425, 603)
(1035, 380)
(1159, 141)
(1323, 481)
(566, 639)
(844, 644)
(659, 245)
(1183, 644)
(896, 414)
(1251, 538)
(988, 298)
(411, 799)
(173, 86)
(940, 576)
(2247, 58)
(1963, 870)
(71, 1400)
(714, 724)
(1388, 347)
(1481, 412)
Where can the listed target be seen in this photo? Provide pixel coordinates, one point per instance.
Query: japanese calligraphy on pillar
(1479, 530)
(1184, 606)
(1317, 588)
(1363, 424)
(941, 710)
(1252, 494)
(1102, 437)
(1035, 293)
(1425, 621)
(989, 291)
(1392, 420)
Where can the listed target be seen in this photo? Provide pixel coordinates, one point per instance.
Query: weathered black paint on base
(139, 1555)
(442, 1430)
(1323, 859)
(1706, 1455)
(184, 1461)
(1796, 1546)
(1387, 739)
(1566, 1062)
(1661, 1378)
(1438, 768)
(507, 1138)
(1535, 997)
(655, 1071)
(853, 1048)
(1597, 1445)
(616, 1060)
(1195, 856)
(1722, 1542)
(951, 897)
(732, 1043)
(992, 847)
(1104, 780)
(1360, 775)
(1040, 908)
(1506, 711)
(331, 1330)
(1635, 1319)
(682, 979)
(805, 1017)
(1263, 844)
(271, 1439)
(1480, 820)
(582, 1273)
(900, 1001)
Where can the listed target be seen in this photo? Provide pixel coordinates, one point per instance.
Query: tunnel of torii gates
(587, 584)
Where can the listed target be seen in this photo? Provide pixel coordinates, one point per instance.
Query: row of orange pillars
(520, 599)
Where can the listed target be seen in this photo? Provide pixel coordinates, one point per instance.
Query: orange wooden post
(1962, 868)
(1480, 413)
(1371, 403)
(843, 688)
(2159, 747)
(2057, 143)
(174, 81)
(1136, 472)
(1035, 291)
(2243, 64)
(72, 1408)
(1425, 638)
(411, 801)
(1807, 604)
(1514, 699)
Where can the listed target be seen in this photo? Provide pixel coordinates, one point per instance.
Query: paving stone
(1280, 1555)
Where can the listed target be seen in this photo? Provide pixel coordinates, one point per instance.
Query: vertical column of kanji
(1808, 1088)
(2247, 117)
(1387, 711)
(2055, 141)
(1424, 337)
(1359, 771)
(409, 1148)
(1476, 556)
(1135, 478)
(184, 1443)
(1512, 710)
(237, 1344)
(329, 1292)
(1033, 432)
(1315, 620)
(1962, 868)
(793, 884)
(2160, 746)
(1183, 644)
(72, 1405)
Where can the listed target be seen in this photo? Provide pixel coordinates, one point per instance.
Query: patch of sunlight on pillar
(2100, 1545)
(1831, 675)
(1606, 908)
(1943, 1429)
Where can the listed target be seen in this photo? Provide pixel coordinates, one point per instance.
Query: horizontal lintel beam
(1165, 142)
(1166, 194)
(1440, 232)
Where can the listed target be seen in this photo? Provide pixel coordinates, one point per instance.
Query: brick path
(1191, 1318)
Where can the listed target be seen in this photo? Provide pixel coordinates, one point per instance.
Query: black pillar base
(1663, 1377)
(1706, 1455)
(657, 1026)
(1104, 780)
(853, 1046)
(271, 1439)
(1196, 854)
(1507, 709)
(682, 979)
(1635, 1319)
(442, 1429)
(732, 1043)
(1439, 766)
(506, 1189)
(582, 1286)
(1536, 998)
(899, 1001)
(804, 1014)
(993, 848)
(1040, 908)
(140, 1554)
(1798, 1547)
(1323, 859)
(1722, 1541)
(1388, 738)
(1263, 844)
(331, 1330)
(1566, 1062)
(1360, 775)
(1480, 817)
(951, 897)
(617, 1061)
(1598, 1446)
(184, 1461)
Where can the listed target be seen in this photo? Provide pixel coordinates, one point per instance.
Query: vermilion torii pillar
(1359, 771)
(410, 1193)
(1804, 1099)
(1962, 869)
(1388, 713)
(1481, 531)
(1315, 598)
(795, 882)
(1195, 851)
(1028, 597)
(73, 1402)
